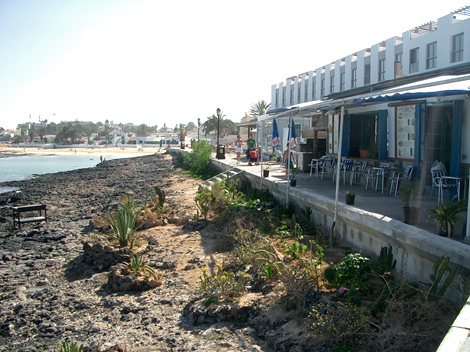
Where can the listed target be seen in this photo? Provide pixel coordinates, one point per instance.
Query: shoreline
(6, 152)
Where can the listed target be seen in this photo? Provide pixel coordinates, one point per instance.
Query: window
(457, 48)
(382, 70)
(354, 78)
(431, 55)
(291, 96)
(299, 96)
(399, 57)
(414, 60)
(342, 84)
(277, 97)
(306, 90)
(367, 74)
(284, 97)
(332, 84)
(314, 91)
(322, 87)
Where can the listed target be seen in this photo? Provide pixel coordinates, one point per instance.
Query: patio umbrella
(293, 135)
(275, 139)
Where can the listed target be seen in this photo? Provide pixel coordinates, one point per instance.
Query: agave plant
(123, 221)
(70, 347)
(139, 267)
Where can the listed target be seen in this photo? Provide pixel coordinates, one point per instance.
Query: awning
(411, 96)
(431, 88)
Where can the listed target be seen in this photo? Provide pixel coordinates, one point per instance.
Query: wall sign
(405, 131)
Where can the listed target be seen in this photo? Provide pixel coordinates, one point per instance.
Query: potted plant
(350, 197)
(266, 171)
(446, 214)
(364, 152)
(293, 181)
(408, 191)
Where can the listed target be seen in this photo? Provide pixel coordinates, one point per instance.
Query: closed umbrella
(275, 140)
(293, 136)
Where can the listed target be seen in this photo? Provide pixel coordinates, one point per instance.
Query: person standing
(238, 148)
(251, 142)
(288, 159)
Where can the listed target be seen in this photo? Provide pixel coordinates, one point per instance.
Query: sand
(14, 151)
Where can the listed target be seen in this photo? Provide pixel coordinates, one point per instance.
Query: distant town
(109, 133)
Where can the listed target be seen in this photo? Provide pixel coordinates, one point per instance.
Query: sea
(18, 168)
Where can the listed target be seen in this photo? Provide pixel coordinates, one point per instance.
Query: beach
(63, 150)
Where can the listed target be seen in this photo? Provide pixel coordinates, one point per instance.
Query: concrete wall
(415, 250)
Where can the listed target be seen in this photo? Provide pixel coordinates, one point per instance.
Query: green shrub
(335, 321)
(199, 159)
(222, 285)
(296, 249)
(204, 200)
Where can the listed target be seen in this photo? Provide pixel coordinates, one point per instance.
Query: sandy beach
(16, 151)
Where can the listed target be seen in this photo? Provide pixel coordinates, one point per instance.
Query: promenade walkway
(373, 201)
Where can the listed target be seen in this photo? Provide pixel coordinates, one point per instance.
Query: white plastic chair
(346, 164)
(357, 170)
(375, 173)
(328, 164)
(400, 176)
(316, 163)
(442, 181)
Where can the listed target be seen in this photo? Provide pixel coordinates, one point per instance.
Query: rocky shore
(50, 291)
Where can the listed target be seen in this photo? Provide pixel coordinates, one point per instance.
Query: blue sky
(156, 62)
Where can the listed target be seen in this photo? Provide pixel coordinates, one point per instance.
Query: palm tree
(143, 130)
(89, 129)
(226, 125)
(66, 132)
(17, 138)
(107, 128)
(31, 134)
(259, 108)
(41, 133)
(210, 125)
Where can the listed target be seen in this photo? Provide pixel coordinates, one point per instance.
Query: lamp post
(181, 139)
(198, 126)
(220, 154)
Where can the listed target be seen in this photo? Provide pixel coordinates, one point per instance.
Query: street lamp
(198, 126)
(181, 139)
(220, 154)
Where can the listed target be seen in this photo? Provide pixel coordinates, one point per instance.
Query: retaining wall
(415, 250)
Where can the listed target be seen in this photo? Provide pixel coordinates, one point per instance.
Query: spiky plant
(123, 221)
(140, 268)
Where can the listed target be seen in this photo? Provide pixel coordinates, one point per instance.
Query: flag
(275, 140)
(293, 136)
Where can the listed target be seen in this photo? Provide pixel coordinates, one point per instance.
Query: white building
(432, 49)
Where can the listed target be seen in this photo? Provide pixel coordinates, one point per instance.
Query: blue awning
(430, 88)
(411, 96)
(279, 110)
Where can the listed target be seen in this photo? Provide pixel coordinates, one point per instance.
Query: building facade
(425, 51)
(406, 99)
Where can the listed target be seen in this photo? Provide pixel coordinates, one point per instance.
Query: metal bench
(17, 211)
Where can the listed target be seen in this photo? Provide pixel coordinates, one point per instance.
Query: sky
(161, 62)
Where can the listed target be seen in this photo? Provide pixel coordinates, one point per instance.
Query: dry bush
(413, 325)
